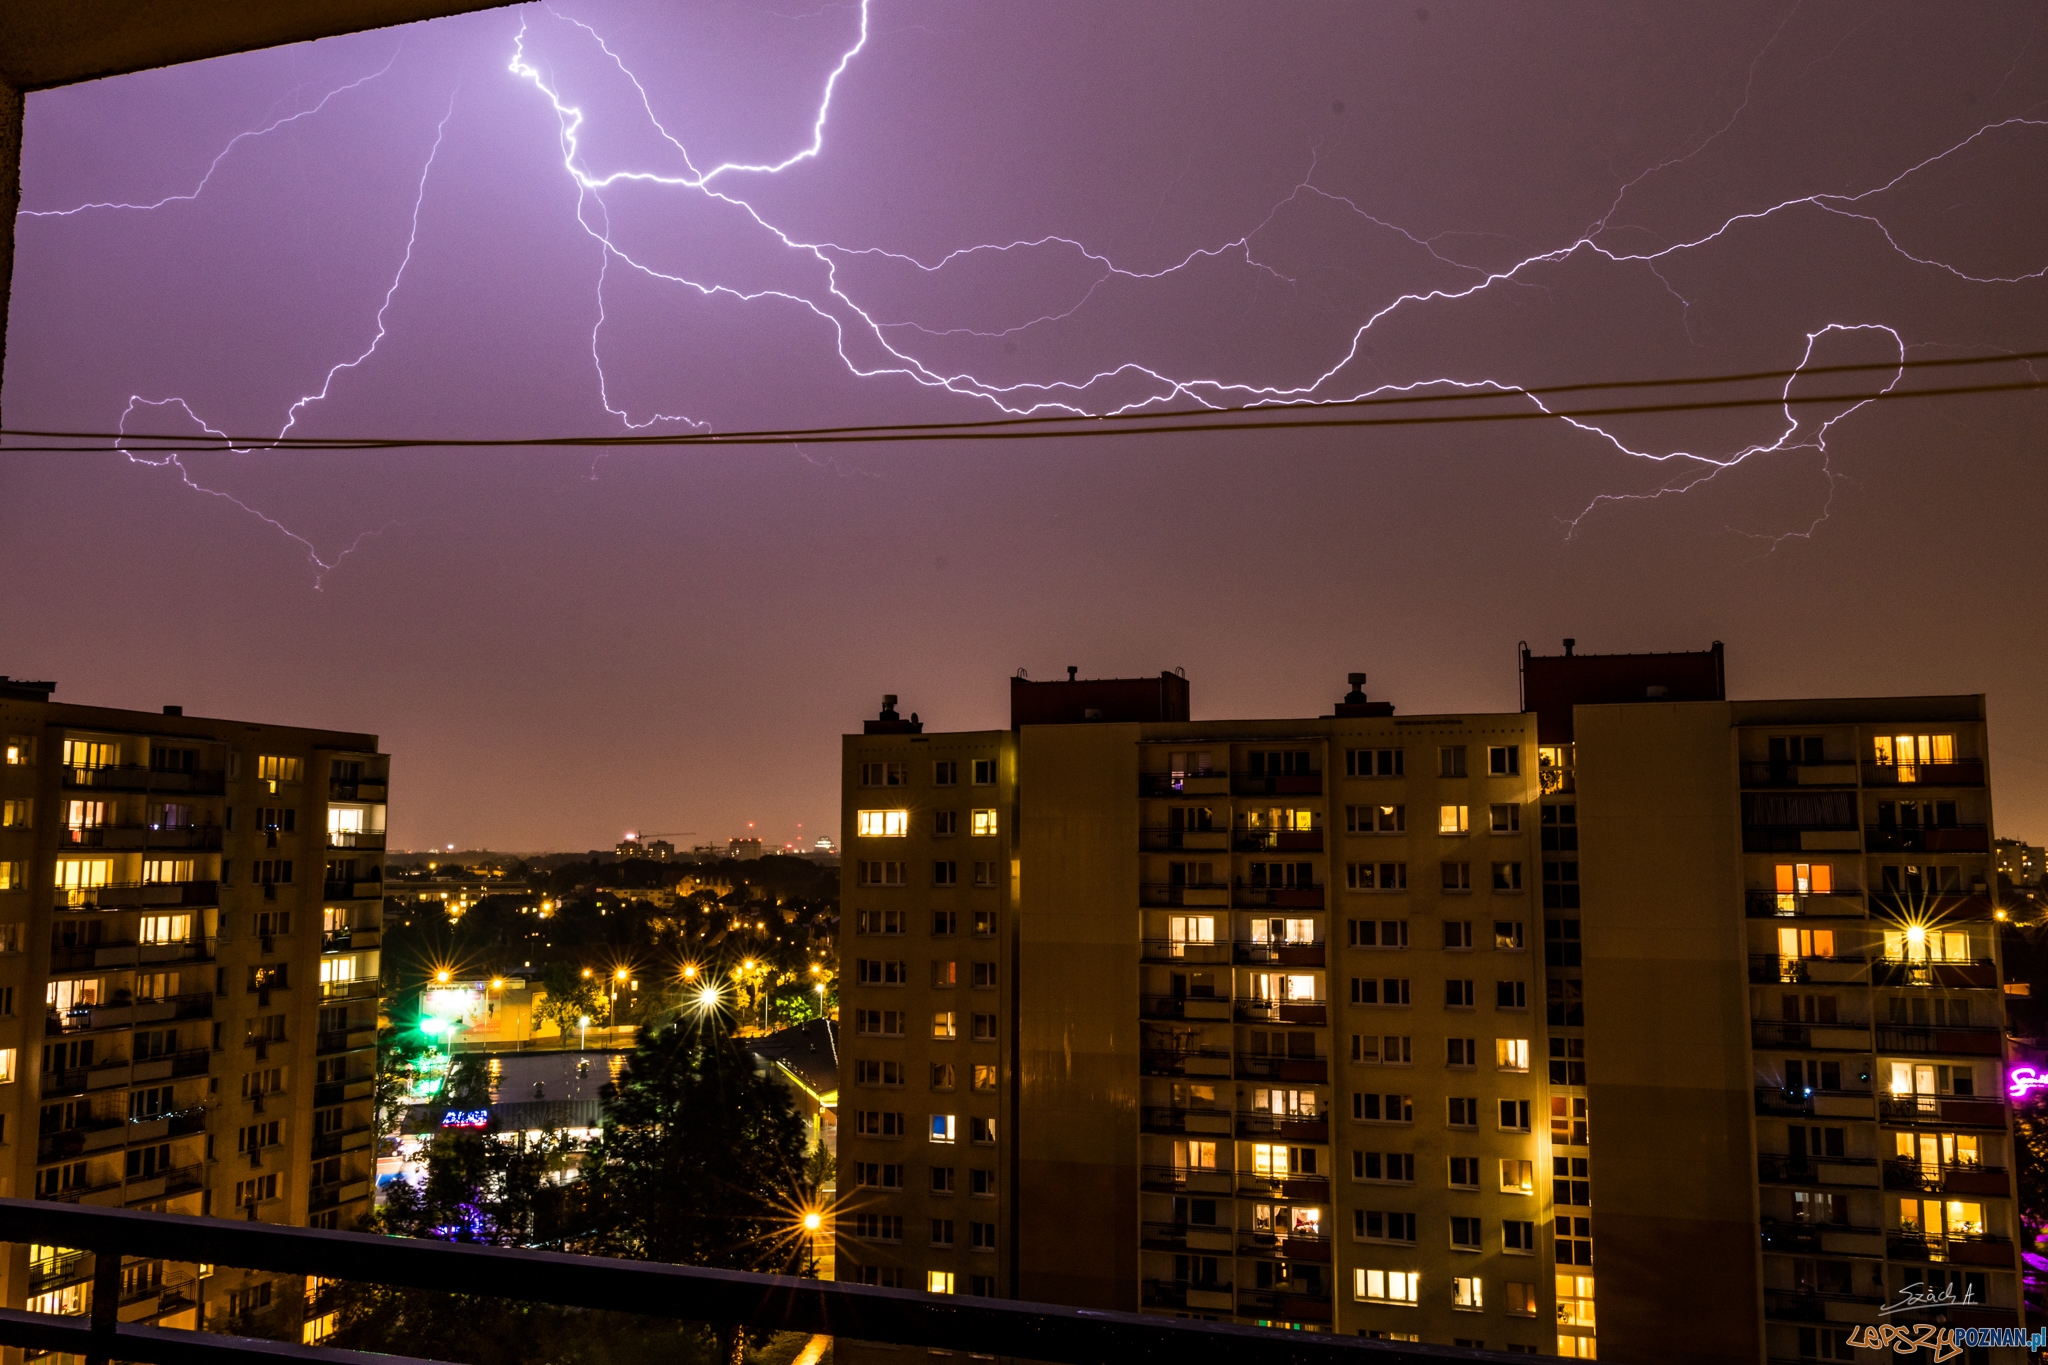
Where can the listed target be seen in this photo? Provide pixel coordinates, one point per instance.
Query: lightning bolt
(872, 345)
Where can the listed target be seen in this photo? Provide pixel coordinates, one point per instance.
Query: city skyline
(680, 636)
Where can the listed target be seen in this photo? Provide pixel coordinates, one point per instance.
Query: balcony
(1980, 1180)
(722, 1298)
(136, 895)
(1315, 1070)
(1942, 839)
(1969, 1249)
(1277, 897)
(1277, 840)
(1306, 1013)
(132, 777)
(1958, 1042)
(1287, 1127)
(329, 1041)
(345, 1140)
(1916, 902)
(1186, 1180)
(1281, 954)
(355, 838)
(1178, 951)
(1286, 784)
(1198, 782)
(1806, 1103)
(352, 891)
(1841, 904)
(1166, 839)
(1201, 1122)
(1767, 774)
(1310, 1247)
(1968, 772)
(1852, 1172)
(1796, 1305)
(1975, 973)
(1214, 895)
(1941, 1110)
(1774, 969)
(1214, 1008)
(203, 838)
(366, 789)
(1813, 1237)
(1193, 1061)
(1850, 1035)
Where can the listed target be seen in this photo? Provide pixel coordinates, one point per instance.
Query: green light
(431, 1026)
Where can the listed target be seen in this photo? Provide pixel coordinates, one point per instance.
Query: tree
(702, 1160)
(570, 996)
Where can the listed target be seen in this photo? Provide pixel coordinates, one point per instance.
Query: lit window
(1386, 1286)
(939, 1282)
(882, 824)
(1452, 819)
(942, 1128)
(943, 1026)
(164, 871)
(17, 814)
(11, 876)
(982, 824)
(1468, 1292)
(1511, 1054)
(166, 929)
(7, 1065)
(1517, 1177)
(18, 750)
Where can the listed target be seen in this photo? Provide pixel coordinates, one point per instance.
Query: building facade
(197, 906)
(1342, 1023)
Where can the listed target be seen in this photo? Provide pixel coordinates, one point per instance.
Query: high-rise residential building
(2020, 862)
(197, 906)
(1517, 1030)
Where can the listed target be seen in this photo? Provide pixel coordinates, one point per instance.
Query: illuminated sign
(2023, 1080)
(466, 1118)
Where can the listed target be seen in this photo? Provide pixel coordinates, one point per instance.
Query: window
(255, 1191)
(1369, 1049)
(273, 769)
(1464, 1113)
(1194, 1156)
(945, 823)
(942, 1180)
(11, 876)
(1373, 763)
(1376, 876)
(984, 1028)
(1575, 1306)
(1511, 1054)
(1277, 763)
(942, 1076)
(1504, 760)
(1373, 1226)
(1574, 1241)
(887, 774)
(878, 922)
(1568, 1121)
(878, 1227)
(1567, 1061)
(1514, 1116)
(18, 750)
(1507, 876)
(1457, 876)
(945, 873)
(1389, 990)
(1458, 995)
(1510, 995)
(877, 1073)
(1379, 933)
(1802, 879)
(881, 873)
(984, 873)
(1382, 1108)
(1375, 819)
(878, 1175)
(1461, 1052)
(1565, 1002)
(84, 753)
(942, 1128)
(981, 1130)
(1517, 1177)
(1517, 1236)
(1507, 936)
(1570, 1185)
(1464, 1173)
(9, 1060)
(942, 1236)
(942, 1024)
(984, 1076)
(1465, 1233)
(1561, 946)
(1504, 818)
(882, 824)
(878, 1123)
(1450, 761)
(981, 1183)
(1390, 1167)
(945, 923)
(982, 1237)
(1560, 884)
(1452, 819)
(945, 773)
(1386, 1286)
(879, 972)
(1457, 933)
(879, 1023)
(19, 814)
(1467, 1292)
(1520, 1299)
(984, 772)
(982, 824)
(165, 929)
(984, 975)
(1908, 753)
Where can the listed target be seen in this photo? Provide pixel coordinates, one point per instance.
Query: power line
(1299, 413)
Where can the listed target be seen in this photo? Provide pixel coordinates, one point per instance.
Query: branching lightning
(872, 345)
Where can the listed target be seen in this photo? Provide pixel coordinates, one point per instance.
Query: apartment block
(197, 906)
(1511, 1030)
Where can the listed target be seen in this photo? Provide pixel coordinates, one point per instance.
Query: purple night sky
(557, 647)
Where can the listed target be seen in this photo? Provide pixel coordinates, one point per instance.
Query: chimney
(890, 723)
(1071, 671)
(1355, 703)
(1568, 643)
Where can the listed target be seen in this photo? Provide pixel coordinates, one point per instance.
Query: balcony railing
(134, 895)
(369, 789)
(1197, 894)
(1282, 954)
(1314, 1069)
(725, 1298)
(1188, 1179)
(1210, 1007)
(1967, 1112)
(1776, 1169)
(1795, 1305)
(1842, 903)
(132, 777)
(1964, 1041)
(1841, 773)
(1980, 973)
(199, 837)
(1195, 782)
(1277, 897)
(355, 838)
(1953, 1179)
(1793, 1103)
(1289, 1127)
(1190, 1294)
(1277, 840)
(1284, 784)
(1982, 1248)
(1179, 951)
(1307, 1013)
(1164, 839)
(1941, 839)
(1167, 1119)
(1968, 772)
(1768, 968)
(1849, 1035)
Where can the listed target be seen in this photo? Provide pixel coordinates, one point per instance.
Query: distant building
(2020, 863)
(190, 912)
(633, 846)
(743, 850)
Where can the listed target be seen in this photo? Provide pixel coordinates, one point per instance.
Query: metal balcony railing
(724, 1298)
